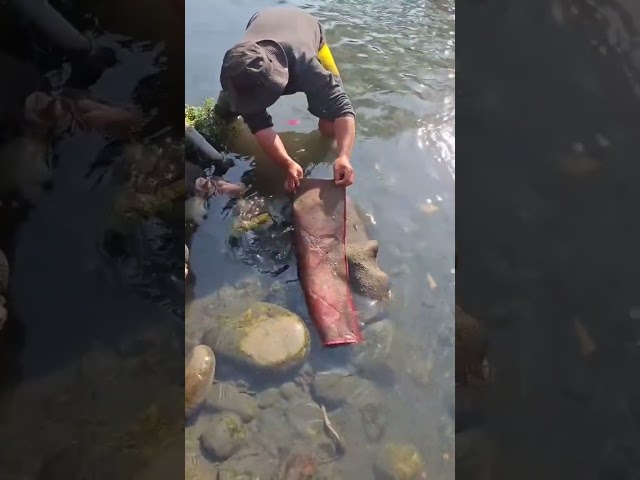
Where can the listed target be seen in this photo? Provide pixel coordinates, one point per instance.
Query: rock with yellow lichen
(264, 335)
(399, 461)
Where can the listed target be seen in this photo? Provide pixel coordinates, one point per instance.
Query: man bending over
(284, 52)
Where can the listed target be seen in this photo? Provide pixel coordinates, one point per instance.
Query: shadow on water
(548, 233)
(82, 315)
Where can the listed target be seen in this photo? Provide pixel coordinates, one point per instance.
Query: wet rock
(226, 397)
(398, 461)
(4, 272)
(373, 358)
(374, 420)
(195, 209)
(236, 475)
(301, 466)
(264, 336)
(251, 214)
(419, 363)
(208, 311)
(335, 389)
(365, 276)
(269, 398)
(290, 391)
(305, 418)
(224, 436)
(274, 430)
(471, 345)
(198, 375)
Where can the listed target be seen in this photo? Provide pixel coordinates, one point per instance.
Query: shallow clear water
(397, 61)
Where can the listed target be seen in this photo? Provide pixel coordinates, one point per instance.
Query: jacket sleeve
(258, 121)
(325, 93)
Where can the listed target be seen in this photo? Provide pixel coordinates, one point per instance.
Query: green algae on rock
(224, 436)
(399, 461)
(198, 376)
(264, 335)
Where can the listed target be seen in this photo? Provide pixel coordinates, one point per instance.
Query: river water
(397, 62)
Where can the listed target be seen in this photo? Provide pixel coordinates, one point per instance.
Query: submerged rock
(373, 358)
(198, 377)
(264, 336)
(335, 389)
(269, 398)
(365, 276)
(305, 418)
(300, 466)
(398, 461)
(226, 397)
(364, 273)
(224, 436)
(236, 475)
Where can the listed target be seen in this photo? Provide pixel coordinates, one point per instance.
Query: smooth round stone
(198, 377)
(265, 336)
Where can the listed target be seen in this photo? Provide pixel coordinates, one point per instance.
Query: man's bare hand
(294, 174)
(343, 172)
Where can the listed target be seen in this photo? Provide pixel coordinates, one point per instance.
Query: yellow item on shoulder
(327, 61)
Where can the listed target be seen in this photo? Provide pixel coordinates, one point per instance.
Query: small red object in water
(293, 122)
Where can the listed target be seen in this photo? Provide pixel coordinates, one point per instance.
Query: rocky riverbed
(273, 412)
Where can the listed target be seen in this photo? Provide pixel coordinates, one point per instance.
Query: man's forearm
(345, 132)
(273, 146)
